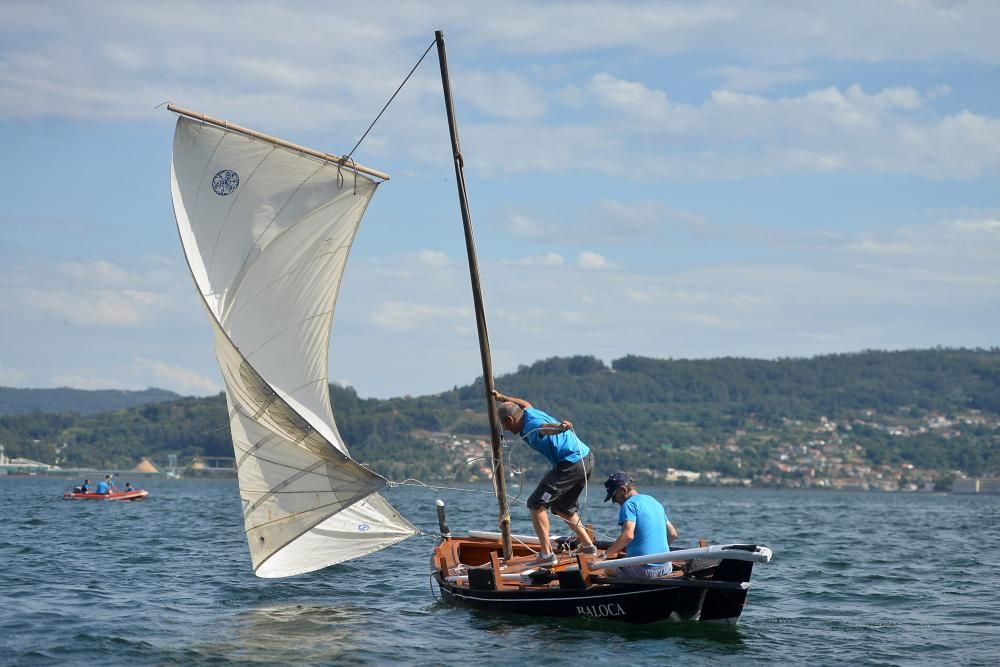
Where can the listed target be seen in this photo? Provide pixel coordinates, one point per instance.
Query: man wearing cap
(560, 489)
(645, 528)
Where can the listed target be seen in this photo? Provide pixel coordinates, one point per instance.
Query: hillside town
(825, 454)
(822, 454)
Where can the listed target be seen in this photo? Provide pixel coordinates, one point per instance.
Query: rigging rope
(391, 99)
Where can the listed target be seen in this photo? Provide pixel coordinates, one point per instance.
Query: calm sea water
(857, 578)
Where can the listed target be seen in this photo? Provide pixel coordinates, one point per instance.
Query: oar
(715, 552)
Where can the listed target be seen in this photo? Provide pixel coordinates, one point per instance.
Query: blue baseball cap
(615, 482)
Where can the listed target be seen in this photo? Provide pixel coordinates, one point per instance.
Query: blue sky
(668, 179)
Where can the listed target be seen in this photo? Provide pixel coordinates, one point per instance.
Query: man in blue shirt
(645, 528)
(560, 489)
(103, 488)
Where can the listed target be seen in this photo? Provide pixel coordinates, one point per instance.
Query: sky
(667, 179)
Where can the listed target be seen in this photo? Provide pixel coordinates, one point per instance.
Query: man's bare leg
(573, 521)
(540, 521)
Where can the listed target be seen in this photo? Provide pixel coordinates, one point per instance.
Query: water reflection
(585, 629)
(288, 633)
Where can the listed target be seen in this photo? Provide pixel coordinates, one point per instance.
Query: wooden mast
(499, 475)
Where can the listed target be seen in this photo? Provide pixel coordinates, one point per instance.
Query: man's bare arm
(519, 402)
(555, 429)
(628, 533)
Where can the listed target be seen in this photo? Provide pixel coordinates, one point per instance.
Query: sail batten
(266, 231)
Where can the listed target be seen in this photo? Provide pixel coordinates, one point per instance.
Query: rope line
(391, 99)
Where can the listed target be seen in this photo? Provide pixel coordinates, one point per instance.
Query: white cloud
(10, 377)
(620, 126)
(755, 79)
(395, 315)
(916, 286)
(548, 259)
(966, 246)
(620, 218)
(938, 92)
(591, 260)
(639, 295)
(571, 96)
(849, 30)
(632, 98)
(90, 381)
(502, 94)
(51, 66)
(610, 221)
(433, 258)
(95, 272)
(175, 378)
(101, 308)
(594, 129)
(734, 135)
(524, 226)
(989, 225)
(817, 113)
(613, 220)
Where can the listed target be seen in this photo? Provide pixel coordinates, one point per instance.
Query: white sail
(266, 232)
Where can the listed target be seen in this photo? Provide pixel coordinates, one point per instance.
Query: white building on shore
(20, 466)
(985, 485)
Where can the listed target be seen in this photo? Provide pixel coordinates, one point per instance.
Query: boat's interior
(477, 562)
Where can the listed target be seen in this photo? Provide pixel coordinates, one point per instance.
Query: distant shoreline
(696, 487)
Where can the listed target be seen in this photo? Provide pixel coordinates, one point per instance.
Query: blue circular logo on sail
(225, 182)
(363, 527)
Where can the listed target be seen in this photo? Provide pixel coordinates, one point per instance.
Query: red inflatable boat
(137, 494)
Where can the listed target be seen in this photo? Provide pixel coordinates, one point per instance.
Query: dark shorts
(561, 487)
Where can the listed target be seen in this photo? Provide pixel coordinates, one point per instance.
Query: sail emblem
(225, 182)
(363, 527)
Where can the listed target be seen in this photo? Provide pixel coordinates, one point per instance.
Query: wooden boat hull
(710, 591)
(138, 494)
(636, 603)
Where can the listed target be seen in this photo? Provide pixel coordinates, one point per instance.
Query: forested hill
(731, 415)
(85, 402)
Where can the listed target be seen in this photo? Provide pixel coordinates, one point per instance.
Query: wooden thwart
(497, 574)
(584, 568)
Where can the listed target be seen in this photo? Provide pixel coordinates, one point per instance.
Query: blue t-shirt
(650, 521)
(102, 487)
(556, 448)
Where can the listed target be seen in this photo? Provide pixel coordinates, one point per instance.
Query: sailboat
(266, 226)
